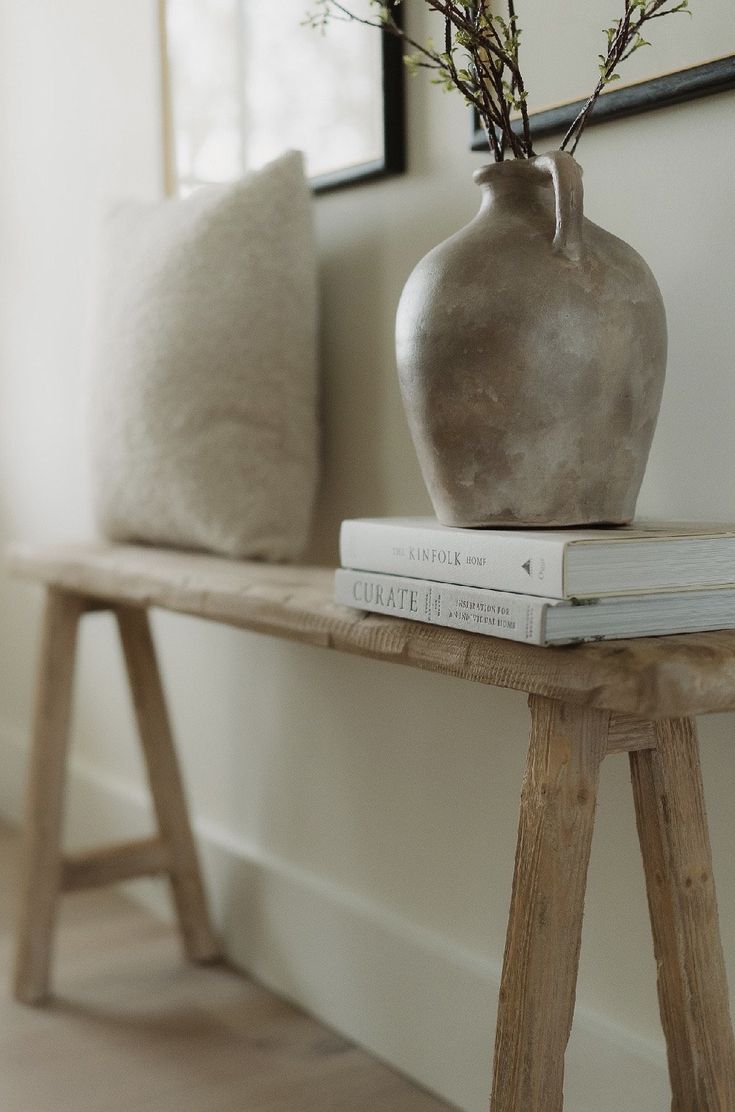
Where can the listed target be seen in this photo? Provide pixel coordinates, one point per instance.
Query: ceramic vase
(531, 351)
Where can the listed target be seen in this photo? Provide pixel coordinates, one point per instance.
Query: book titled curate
(643, 558)
(531, 618)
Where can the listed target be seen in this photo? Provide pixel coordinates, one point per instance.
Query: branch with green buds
(479, 56)
(624, 38)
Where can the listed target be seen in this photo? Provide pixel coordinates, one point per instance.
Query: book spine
(471, 557)
(475, 609)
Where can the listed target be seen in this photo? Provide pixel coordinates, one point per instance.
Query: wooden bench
(636, 696)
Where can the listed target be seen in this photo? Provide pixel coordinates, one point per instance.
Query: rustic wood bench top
(652, 677)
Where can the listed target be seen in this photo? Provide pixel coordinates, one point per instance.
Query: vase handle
(566, 177)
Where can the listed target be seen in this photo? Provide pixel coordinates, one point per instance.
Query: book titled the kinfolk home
(645, 558)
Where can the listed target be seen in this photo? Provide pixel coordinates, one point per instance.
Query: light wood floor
(134, 1029)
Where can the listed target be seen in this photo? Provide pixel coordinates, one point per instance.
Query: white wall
(358, 820)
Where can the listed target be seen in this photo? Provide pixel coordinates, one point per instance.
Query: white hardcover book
(646, 557)
(498, 613)
(531, 618)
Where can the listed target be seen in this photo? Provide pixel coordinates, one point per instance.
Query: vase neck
(517, 183)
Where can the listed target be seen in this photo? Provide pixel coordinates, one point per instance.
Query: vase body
(531, 353)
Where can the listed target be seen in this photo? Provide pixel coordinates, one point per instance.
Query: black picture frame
(656, 92)
(394, 122)
(392, 78)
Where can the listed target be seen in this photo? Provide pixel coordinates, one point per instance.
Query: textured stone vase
(531, 353)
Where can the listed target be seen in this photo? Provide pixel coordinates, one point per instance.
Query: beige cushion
(204, 380)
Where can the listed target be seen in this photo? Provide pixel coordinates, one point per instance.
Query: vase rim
(513, 169)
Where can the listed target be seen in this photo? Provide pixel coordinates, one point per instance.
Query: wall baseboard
(413, 998)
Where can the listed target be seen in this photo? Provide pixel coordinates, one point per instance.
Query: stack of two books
(539, 586)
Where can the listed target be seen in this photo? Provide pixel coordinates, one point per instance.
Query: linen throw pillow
(204, 379)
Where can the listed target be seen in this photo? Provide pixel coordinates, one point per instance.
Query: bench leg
(42, 871)
(47, 871)
(692, 986)
(538, 985)
(166, 784)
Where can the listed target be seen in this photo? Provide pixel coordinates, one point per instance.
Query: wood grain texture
(45, 798)
(94, 868)
(654, 677)
(692, 985)
(166, 784)
(538, 985)
(628, 733)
